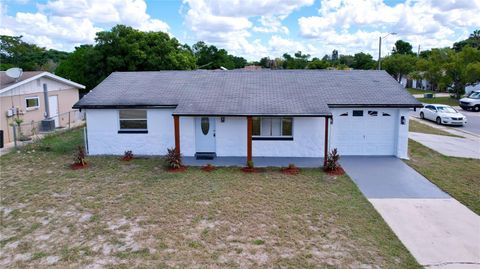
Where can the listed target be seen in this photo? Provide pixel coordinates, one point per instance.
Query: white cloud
(230, 25)
(64, 24)
(356, 25)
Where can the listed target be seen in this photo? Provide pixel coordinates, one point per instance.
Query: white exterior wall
(230, 139)
(308, 139)
(104, 139)
(402, 133)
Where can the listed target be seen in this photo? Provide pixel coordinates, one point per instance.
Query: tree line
(126, 49)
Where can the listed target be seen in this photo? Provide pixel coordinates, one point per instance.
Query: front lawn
(439, 100)
(134, 214)
(418, 127)
(457, 176)
(417, 91)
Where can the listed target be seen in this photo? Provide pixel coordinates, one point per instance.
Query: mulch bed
(209, 168)
(291, 170)
(77, 166)
(338, 172)
(127, 158)
(175, 170)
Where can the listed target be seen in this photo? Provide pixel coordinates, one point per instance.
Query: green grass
(457, 176)
(142, 216)
(60, 143)
(439, 100)
(415, 126)
(417, 91)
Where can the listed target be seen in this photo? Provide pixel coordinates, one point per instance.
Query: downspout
(325, 154)
(45, 96)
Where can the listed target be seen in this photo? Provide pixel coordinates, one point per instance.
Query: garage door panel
(370, 134)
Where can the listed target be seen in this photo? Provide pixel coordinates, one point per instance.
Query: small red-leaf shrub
(250, 168)
(291, 169)
(208, 168)
(173, 161)
(79, 159)
(127, 156)
(333, 166)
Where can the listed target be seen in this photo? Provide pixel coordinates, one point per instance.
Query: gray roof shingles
(265, 92)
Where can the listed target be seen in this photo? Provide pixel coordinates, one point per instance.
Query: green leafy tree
(346, 60)
(462, 69)
(399, 65)
(402, 47)
(298, 61)
(473, 41)
(318, 64)
(210, 57)
(363, 61)
(125, 49)
(16, 53)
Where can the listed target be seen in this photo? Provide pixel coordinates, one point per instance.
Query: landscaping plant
(173, 159)
(250, 167)
(332, 165)
(128, 155)
(208, 168)
(292, 169)
(79, 158)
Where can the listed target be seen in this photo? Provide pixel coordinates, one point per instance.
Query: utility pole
(380, 49)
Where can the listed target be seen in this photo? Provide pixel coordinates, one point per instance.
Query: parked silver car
(442, 114)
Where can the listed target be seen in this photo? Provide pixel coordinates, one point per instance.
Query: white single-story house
(25, 98)
(267, 113)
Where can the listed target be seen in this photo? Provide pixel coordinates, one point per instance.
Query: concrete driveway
(439, 231)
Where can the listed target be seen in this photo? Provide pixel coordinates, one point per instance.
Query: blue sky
(249, 28)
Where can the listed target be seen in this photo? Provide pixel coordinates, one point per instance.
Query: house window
(272, 128)
(133, 121)
(32, 103)
(385, 114)
(344, 114)
(357, 113)
(373, 113)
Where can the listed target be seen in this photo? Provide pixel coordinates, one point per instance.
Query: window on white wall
(32, 102)
(133, 121)
(272, 127)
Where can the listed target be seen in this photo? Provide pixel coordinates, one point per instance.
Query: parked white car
(442, 114)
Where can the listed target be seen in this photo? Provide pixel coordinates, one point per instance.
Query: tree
(318, 64)
(462, 69)
(363, 61)
(210, 57)
(16, 53)
(473, 41)
(430, 67)
(125, 49)
(402, 47)
(300, 60)
(346, 60)
(399, 65)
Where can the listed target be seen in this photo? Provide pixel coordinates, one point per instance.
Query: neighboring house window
(32, 102)
(272, 127)
(133, 121)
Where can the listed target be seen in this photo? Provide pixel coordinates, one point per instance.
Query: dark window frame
(355, 113)
(143, 120)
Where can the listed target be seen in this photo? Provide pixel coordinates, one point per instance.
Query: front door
(205, 134)
(53, 108)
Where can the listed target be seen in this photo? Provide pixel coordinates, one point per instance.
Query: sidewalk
(466, 147)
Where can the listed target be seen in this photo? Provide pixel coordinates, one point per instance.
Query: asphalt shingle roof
(265, 92)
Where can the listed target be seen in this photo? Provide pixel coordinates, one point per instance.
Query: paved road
(439, 231)
(473, 120)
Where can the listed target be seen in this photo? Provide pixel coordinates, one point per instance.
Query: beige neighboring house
(24, 98)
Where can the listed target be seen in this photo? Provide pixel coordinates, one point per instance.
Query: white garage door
(365, 131)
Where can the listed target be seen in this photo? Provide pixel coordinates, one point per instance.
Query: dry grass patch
(117, 214)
